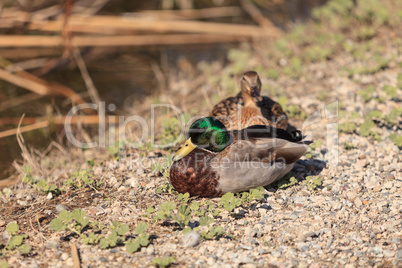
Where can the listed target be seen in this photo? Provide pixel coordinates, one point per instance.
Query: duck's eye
(186, 145)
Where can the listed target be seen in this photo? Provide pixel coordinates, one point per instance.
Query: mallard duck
(214, 161)
(229, 110)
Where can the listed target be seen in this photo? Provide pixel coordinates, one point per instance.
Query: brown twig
(77, 23)
(36, 123)
(25, 153)
(23, 129)
(204, 13)
(35, 84)
(19, 100)
(93, 92)
(257, 16)
(124, 40)
(76, 257)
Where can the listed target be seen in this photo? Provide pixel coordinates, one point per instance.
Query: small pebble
(60, 208)
(191, 239)
(52, 244)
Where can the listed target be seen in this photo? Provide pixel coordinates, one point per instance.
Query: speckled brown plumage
(229, 110)
(193, 175)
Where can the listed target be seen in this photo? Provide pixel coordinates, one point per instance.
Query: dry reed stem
(121, 40)
(23, 129)
(93, 92)
(257, 16)
(158, 26)
(26, 155)
(60, 120)
(75, 256)
(35, 84)
(203, 13)
(19, 100)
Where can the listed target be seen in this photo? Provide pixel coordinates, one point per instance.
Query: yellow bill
(187, 148)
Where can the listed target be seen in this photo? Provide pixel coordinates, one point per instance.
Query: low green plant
(91, 162)
(77, 222)
(287, 181)
(392, 118)
(390, 91)
(41, 185)
(348, 146)
(163, 261)
(399, 83)
(272, 74)
(114, 151)
(165, 209)
(91, 239)
(183, 198)
(196, 208)
(82, 179)
(205, 220)
(44, 186)
(365, 32)
(116, 237)
(183, 216)
(315, 145)
(229, 202)
(397, 139)
(294, 68)
(74, 221)
(294, 111)
(166, 188)
(310, 153)
(16, 243)
(283, 101)
(312, 182)
(213, 232)
(171, 129)
(163, 167)
(3, 264)
(366, 129)
(373, 114)
(253, 194)
(142, 239)
(348, 127)
(316, 53)
(367, 93)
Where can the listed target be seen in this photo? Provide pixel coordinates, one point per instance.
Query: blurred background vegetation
(135, 53)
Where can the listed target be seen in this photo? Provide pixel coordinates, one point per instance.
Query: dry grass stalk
(35, 84)
(125, 40)
(204, 13)
(26, 155)
(26, 53)
(75, 256)
(23, 129)
(93, 92)
(257, 16)
(38, 123)
(19, 100)
(158, 26)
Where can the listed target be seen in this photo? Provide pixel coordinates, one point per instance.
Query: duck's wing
(272, 111)
(264, 150)
(264, 131)
(226, 107)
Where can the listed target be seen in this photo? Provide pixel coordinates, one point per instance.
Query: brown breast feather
(194, 175)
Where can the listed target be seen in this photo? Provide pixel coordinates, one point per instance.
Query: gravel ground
(354, 219)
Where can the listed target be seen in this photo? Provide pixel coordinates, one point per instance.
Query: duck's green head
(208, 133)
